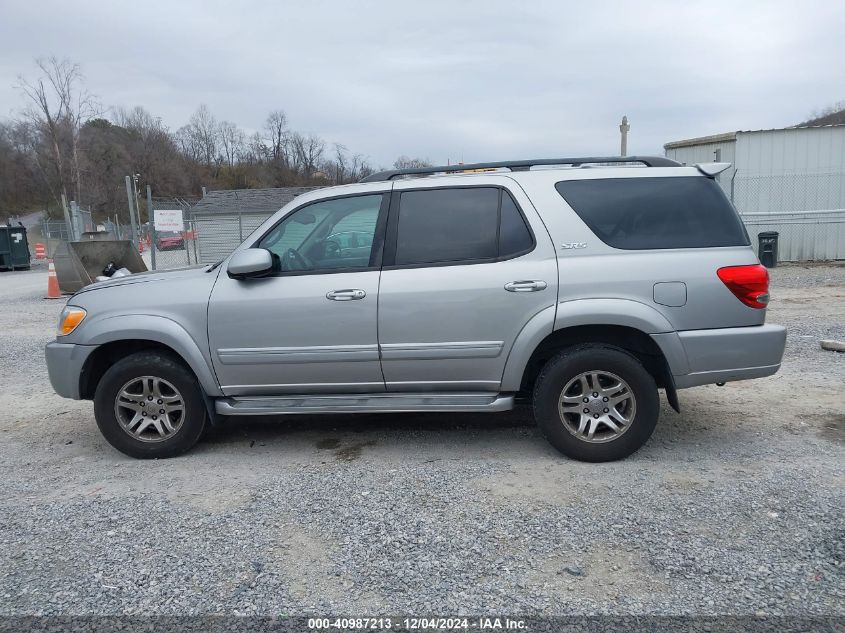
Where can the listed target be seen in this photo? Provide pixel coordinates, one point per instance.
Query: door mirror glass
(252, 262)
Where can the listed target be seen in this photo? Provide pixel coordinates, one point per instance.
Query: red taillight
(750, 284)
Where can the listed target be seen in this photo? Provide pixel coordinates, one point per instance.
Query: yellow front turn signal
(70, 318)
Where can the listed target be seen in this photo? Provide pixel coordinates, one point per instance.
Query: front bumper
(64, 366)
(727, 354)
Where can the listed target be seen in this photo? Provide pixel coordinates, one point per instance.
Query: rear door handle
(525, 286)
(350, 294)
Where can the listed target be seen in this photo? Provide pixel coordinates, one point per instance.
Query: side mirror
(252, 262)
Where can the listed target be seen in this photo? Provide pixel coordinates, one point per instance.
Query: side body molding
(162, 330)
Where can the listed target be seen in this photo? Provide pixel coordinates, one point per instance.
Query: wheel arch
(117, 337)
(629, 325)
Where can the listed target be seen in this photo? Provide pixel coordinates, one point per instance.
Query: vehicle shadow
(261, 427)
(501, 431)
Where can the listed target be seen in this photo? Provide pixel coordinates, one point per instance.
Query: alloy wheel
(149, 409)
(597, 406)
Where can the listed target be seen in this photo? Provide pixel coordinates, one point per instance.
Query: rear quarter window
(654, 213)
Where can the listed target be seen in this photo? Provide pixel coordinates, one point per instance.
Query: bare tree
(256, 150)
(59, 106)
(831, 115)
(406, 162)
(346, 167)
(232, 141)
(307, 153)
(199, 137)
(277, 132)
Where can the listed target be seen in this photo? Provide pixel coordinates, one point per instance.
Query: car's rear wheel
(596, 403)
(149, 405)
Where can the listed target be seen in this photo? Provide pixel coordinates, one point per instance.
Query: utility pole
(624, 130)
(131, 211)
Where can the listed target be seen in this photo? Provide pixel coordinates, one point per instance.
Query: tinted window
(329, 235)
(514, 236)
(644, 213)
(445, 225)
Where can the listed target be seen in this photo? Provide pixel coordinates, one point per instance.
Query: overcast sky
(449, 80)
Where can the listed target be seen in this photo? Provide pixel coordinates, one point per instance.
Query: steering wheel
(331, 249)
(293, 260)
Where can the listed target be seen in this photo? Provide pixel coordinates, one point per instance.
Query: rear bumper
(727, 354)
(64, 366)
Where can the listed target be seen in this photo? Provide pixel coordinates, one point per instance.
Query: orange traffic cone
(40, 253)
(52, 283)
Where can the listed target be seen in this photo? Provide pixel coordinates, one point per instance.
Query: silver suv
(580, 285)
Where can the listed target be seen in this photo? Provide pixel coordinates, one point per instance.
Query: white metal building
(222, 219)
(790, 180)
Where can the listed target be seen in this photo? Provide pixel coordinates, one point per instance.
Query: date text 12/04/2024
(418, 624)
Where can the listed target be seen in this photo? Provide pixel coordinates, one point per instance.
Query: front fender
(147, 327)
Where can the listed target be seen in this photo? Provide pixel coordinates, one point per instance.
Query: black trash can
(14, 248)
(767, 248)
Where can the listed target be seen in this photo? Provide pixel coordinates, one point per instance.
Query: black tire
(159, 365)
(568, 365)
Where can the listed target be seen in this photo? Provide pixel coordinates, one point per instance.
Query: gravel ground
(735, 506)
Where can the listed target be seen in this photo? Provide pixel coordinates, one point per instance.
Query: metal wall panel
(813, 236)
(708, 153)
(220, 234)
(798, 169)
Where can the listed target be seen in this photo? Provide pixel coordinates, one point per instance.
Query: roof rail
(522, 165)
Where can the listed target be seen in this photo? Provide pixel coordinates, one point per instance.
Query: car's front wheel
(149, 405)
(596, 403)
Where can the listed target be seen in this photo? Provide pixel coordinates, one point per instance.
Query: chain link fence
(169, 249)
(806, 210)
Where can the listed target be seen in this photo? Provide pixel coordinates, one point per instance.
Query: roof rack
(522, 165)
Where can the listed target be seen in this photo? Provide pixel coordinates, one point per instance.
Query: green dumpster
(14, 248)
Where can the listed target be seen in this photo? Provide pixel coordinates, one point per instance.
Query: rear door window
(468, 224)
(655, 213)
(514, 236)
(447, 225)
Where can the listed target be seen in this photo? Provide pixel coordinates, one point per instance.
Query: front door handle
(525, 286)
(350, 294)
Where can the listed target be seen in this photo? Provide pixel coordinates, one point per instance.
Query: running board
(365, 403)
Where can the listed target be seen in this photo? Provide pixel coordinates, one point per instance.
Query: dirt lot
(734, 506)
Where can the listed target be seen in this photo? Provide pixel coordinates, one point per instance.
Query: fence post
(151, 217)
(240, 227)
(67, 218)
(45, 233)
(733, 179)
(131, 212)
(194, 233)
(186, 225)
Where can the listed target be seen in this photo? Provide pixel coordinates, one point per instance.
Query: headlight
(70, 318)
